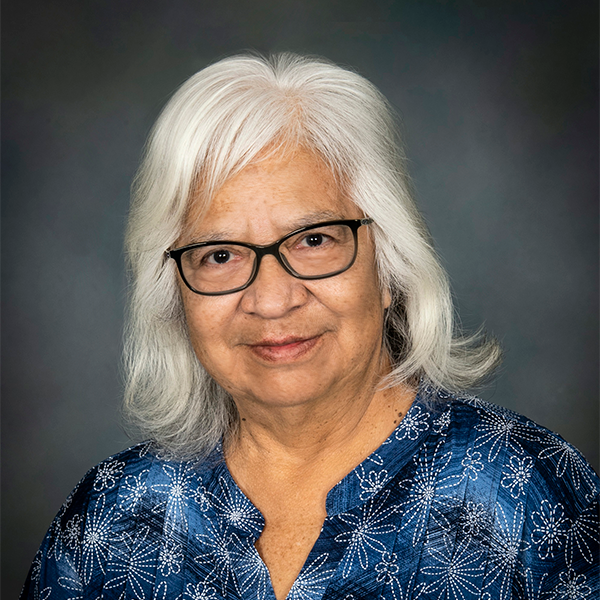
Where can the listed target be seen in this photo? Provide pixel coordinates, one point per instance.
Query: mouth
(286, 349)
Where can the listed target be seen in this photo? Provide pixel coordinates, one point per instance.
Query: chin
(286, 389)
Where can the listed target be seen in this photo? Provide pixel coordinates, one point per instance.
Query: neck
(284, 442)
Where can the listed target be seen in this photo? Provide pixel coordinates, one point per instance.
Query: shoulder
(104, 481)
(519, 490)
(134, 478)
(124, 502)
(135, 481)
(525, 455)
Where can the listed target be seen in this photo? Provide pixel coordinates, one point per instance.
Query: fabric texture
(464, 500)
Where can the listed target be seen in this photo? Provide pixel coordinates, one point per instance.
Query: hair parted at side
(231, 113)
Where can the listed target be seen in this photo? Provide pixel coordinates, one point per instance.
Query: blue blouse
(464, 500)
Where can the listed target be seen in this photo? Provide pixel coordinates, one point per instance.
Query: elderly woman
(292, 360)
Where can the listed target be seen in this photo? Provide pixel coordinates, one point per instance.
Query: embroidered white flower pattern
(441, 424)
(72, 532)
(415, 422)
(179, 491)
(427, 497)
(474, 518)
(133, 490)
(367, 527)
(202, 498)
(372, 482)
(516, 475)
(550, 528)
(96, 541)
(387, 569)
(252, 573)
(567, 458)
(387, 573)
(499, 431)
(312, 581)
(109, 472)
(219, 546)
(571, 586)
(471, 464)
(232, 506)
(583, 536)
(456, 572)
(170, 557)
(133, 563)
(200, 591)
(505, 547)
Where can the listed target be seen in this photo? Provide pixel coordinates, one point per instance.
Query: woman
(292, 359)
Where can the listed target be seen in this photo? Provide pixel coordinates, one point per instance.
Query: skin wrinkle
(229, 235)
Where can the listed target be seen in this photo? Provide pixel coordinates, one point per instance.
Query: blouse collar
(364, 481)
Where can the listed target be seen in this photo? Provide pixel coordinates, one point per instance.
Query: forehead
(279, 193)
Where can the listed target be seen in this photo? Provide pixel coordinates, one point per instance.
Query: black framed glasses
(314, 252)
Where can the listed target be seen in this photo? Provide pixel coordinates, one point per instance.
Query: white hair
(231, 113)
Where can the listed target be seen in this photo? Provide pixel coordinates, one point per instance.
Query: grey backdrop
(499, 109)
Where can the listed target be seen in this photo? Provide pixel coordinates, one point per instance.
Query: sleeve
(71, 561)
(562, 529)
(54, 553)
(573, 569)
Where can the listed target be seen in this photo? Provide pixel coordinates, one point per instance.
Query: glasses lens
(320, 251)
(217, 268)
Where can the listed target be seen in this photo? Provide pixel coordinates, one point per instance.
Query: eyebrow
(310, 219)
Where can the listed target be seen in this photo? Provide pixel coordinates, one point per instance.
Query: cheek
(357, 291)
(207, 326)
(355, 301)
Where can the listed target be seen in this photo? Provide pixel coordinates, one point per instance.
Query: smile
(285, 349)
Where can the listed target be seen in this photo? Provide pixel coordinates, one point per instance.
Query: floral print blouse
(464, 500)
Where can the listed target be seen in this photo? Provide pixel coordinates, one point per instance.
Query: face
(285, 341)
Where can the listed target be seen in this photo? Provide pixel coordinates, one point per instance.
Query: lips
(286, 349)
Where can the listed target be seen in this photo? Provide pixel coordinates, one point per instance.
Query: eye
(219, 257)
(314, 240)
(214, 257)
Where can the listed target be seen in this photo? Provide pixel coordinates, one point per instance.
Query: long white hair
(219, 121)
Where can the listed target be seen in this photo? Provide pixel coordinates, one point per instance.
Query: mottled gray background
(499, 109)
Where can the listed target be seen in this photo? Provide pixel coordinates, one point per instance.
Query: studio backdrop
(498, 109)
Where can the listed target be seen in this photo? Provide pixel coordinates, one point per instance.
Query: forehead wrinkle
(312, 218)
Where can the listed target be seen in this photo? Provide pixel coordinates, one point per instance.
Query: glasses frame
(269, 249)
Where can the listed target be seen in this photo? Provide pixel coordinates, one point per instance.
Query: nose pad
(274, 292)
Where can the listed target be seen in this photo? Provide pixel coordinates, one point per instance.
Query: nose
(274, 293)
